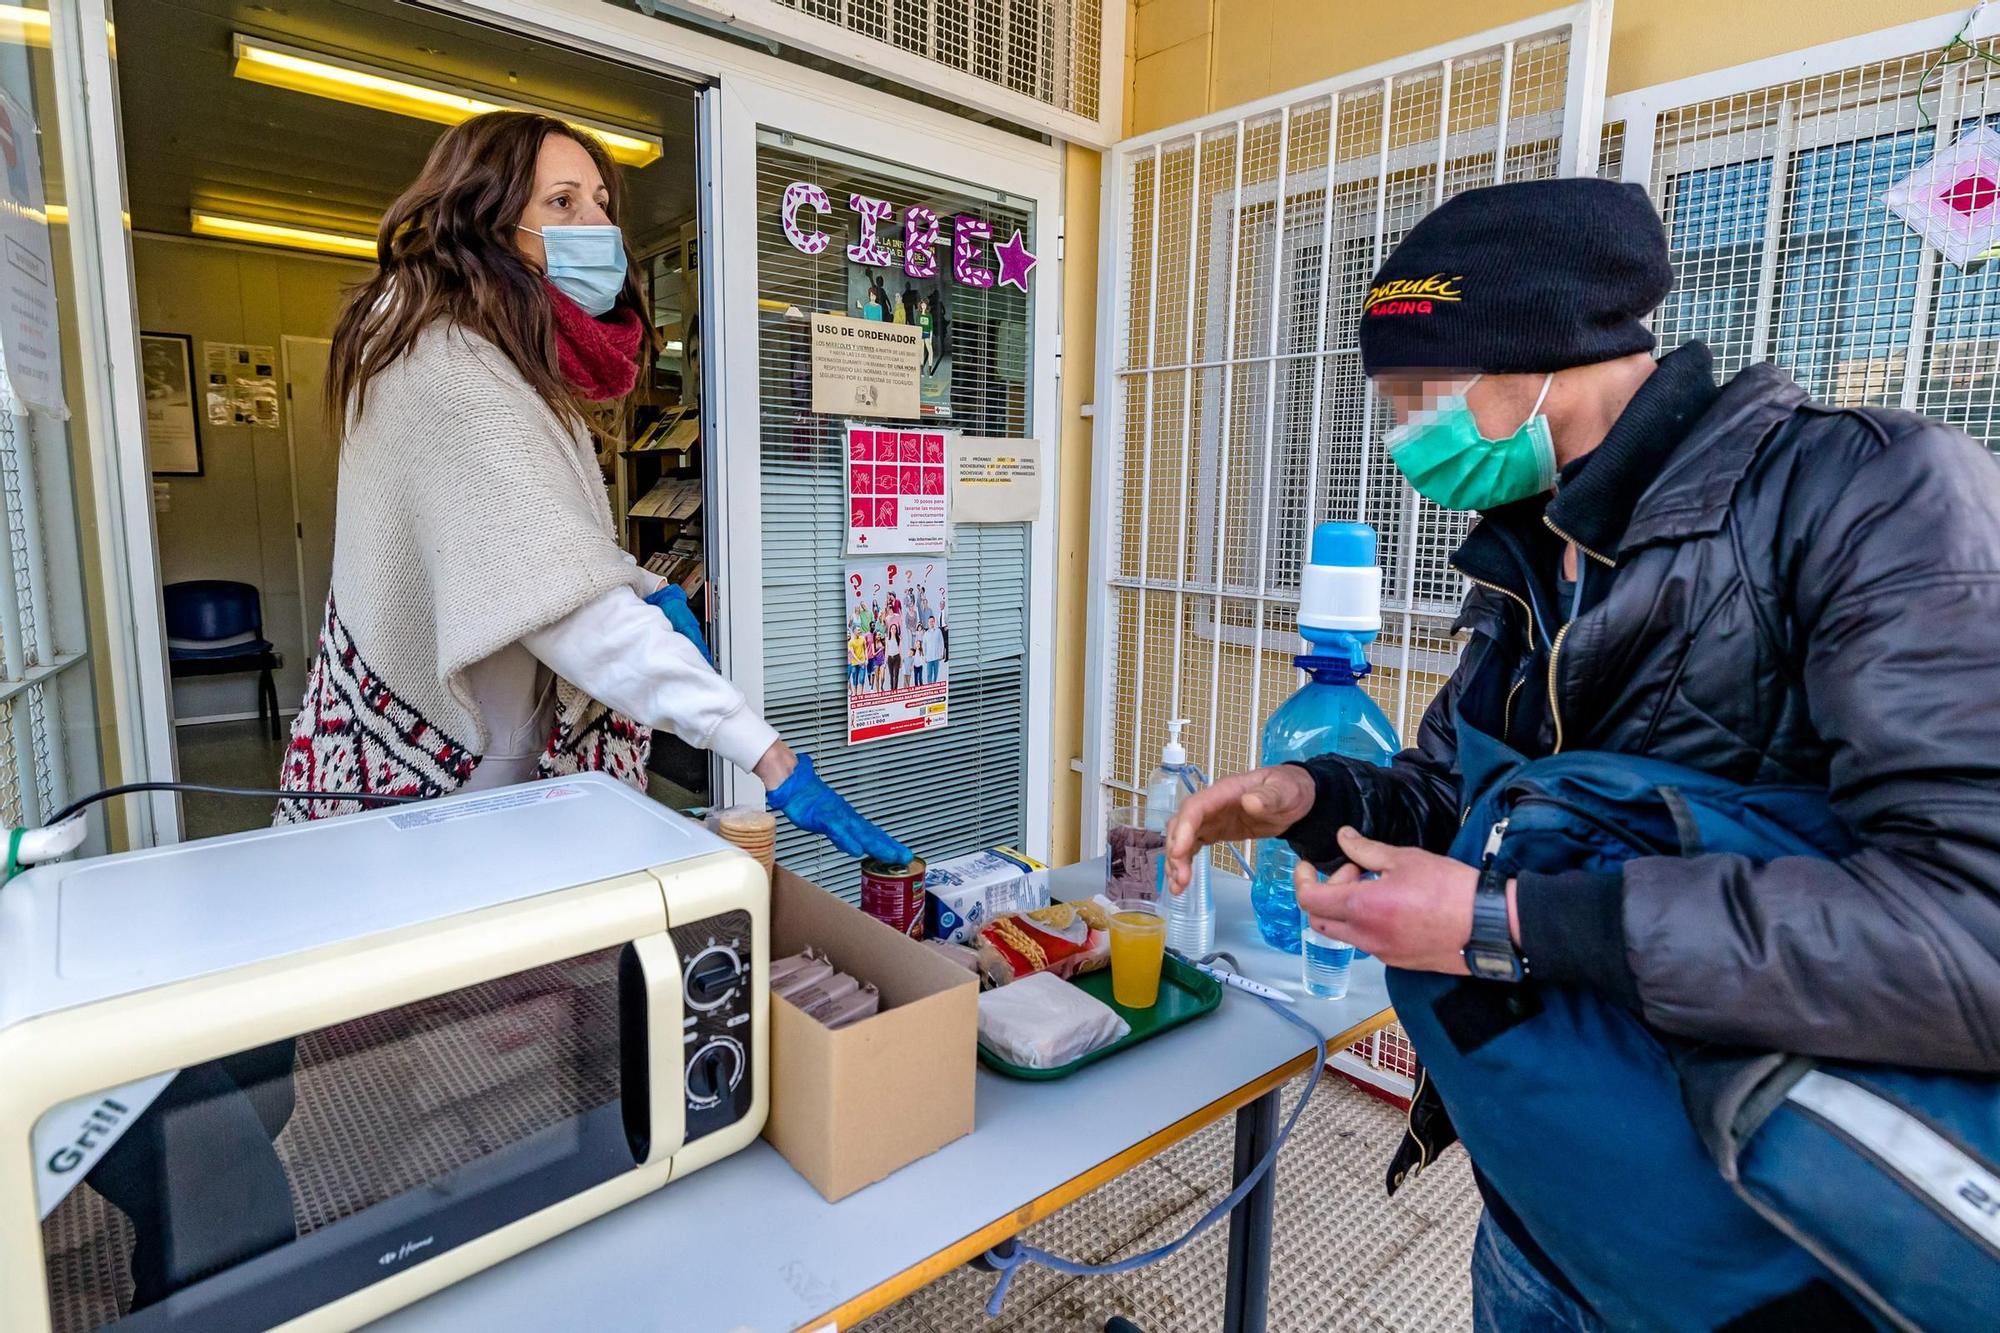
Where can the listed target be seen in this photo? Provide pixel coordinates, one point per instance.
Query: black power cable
(207, 789)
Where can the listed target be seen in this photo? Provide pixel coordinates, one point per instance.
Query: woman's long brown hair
(446, 251)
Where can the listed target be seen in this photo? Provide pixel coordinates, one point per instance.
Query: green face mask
(1451, 464)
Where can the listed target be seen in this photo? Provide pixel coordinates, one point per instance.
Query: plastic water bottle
(1340, 612)
(1190, 914)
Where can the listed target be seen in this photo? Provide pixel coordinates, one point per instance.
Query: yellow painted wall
(1190, 57)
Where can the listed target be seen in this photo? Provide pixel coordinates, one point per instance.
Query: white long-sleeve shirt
(624, 653)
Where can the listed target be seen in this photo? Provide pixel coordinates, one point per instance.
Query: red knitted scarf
(598, 357)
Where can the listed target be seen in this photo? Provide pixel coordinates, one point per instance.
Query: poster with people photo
(898, 647)
(885, 292)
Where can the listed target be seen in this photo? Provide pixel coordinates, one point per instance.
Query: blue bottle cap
(1348, 544)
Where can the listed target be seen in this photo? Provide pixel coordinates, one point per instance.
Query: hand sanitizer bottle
(1190, 914)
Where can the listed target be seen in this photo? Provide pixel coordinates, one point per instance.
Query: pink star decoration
(1015, 262)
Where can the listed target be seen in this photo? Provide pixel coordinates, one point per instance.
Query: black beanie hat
(1520, 279)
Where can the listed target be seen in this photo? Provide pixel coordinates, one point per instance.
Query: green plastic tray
(1185, 995)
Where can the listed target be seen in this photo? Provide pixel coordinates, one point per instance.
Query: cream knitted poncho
(470, 516)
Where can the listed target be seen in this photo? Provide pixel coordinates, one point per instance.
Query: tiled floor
(1346, 1256)
(232, 754)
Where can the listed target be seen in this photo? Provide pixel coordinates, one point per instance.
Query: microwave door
(650, 996)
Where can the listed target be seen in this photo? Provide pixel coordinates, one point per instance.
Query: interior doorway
(262, 144)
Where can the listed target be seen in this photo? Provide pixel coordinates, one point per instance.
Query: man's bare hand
(1416, 914)
(1259, 804)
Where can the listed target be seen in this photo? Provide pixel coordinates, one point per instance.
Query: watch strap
(1491, 938)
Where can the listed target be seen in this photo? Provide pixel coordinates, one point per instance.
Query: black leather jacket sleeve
(1889, 562)
(1411, 803)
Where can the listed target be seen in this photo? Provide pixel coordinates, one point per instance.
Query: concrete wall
(235, 521)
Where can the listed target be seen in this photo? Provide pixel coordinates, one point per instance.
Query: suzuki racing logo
(1411, 296)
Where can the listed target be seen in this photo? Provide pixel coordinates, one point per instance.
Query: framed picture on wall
(173, 431)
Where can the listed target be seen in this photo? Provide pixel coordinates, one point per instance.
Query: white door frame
(752, 91)
(107, 321)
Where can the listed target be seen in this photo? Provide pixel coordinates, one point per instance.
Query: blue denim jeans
(1510, 1295)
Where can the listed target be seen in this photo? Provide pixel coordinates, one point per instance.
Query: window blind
(952, 789)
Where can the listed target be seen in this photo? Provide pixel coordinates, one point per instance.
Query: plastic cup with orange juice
(1138, 948)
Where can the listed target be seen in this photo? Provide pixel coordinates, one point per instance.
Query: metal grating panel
(1611, 151)
(23, 556)
(1243, 416)
(10, 769)
(48, 788)
(1784, 252)
(1049, 50)
(961, 787)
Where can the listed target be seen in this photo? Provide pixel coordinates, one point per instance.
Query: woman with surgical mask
(484, 627)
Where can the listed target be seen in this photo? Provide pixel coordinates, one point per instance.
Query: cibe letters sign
(923, 233)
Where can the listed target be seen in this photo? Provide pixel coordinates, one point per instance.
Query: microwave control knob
(713, 977)
(715, 1069)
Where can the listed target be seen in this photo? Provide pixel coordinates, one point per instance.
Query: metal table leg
(1247, 1302)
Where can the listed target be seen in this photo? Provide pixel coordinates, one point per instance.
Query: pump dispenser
(1340, 613)
(1191, 913)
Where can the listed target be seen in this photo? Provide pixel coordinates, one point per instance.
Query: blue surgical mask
(587, 264)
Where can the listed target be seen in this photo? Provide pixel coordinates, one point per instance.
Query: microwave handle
(662, 1077)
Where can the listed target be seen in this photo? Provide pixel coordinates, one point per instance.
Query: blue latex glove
(673, 603)
(818, 808)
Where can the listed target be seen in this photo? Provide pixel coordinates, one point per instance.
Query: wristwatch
(1490, 953)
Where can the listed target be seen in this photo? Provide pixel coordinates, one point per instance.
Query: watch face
(1493, 966)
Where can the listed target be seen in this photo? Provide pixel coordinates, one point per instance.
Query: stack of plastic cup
(751, 828)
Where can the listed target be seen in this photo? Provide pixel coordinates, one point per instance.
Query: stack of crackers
(753, 829)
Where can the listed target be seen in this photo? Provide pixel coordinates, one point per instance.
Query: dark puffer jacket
(1789, 593)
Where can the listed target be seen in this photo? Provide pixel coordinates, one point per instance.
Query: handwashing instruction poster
(897, 490)
(898, 647)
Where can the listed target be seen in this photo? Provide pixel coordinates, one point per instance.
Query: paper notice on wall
(864, 367)
(995, 481)
(898, 648)
(896, 490)
(215, 401)
(29, 335)
(240, 385)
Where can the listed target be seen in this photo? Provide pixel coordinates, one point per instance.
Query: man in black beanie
(1736, 579)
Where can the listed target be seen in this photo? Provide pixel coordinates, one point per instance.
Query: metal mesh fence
(1784, 251)
(1243, 414)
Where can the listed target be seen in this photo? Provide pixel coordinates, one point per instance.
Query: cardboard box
(849, 1106)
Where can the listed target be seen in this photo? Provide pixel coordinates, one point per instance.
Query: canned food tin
(894, 895)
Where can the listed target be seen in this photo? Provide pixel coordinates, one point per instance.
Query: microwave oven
(299, 1077)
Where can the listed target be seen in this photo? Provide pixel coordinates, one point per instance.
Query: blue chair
(215, 627)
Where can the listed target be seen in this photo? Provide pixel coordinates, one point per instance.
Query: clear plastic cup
(1138, 949)
(1327, 963)
(1134, 857)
